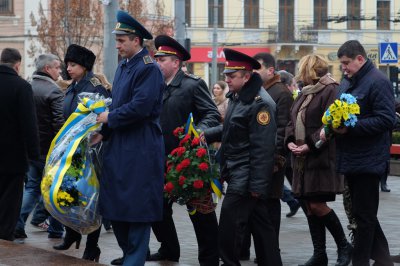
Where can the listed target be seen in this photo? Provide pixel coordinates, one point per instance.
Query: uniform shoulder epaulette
(192, 76)
(95, 82)
(147, 59)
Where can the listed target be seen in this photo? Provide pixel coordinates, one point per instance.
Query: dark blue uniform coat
(131, 188)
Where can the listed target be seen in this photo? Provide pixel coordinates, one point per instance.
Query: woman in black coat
(79, 62)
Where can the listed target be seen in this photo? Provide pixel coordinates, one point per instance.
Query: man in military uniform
(185, 94)
(131, 190)
(247, 159)
(284, 100)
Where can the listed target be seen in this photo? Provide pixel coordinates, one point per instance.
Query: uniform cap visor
(227, 71)
(121, 32)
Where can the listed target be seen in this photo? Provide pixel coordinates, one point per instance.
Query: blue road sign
(388, 53)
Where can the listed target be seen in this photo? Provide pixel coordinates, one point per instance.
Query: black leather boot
(317, 231)
(92, 253)
(344, 248)
(70, 238)
(384, 186)
(118, 261)
(92, 250)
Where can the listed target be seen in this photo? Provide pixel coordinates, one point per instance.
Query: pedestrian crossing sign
(388, 53)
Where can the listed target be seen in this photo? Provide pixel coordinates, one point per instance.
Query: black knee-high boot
(317, 231)
(92, 250)
(344, 248)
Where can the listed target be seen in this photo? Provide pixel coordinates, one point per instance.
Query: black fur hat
(80, 55)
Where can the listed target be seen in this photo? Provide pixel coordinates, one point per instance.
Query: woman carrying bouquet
(79, 62)
(314, 175)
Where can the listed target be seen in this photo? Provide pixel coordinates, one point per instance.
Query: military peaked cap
(166, 46)
(128, 25)
(238, 61)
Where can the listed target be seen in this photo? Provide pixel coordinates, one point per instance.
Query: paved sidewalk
(295, 242)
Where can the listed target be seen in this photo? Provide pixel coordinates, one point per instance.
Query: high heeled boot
(70, 238)
(92, 253)
(317, 231)
(92, 250)
(344, 248)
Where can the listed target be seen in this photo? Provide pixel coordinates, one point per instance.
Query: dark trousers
(205, 227)
(369, 239)
(274, 209)
(133, 239)
(11, 190)
(239, 212)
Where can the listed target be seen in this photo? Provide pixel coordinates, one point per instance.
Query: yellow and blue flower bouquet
(70, 186)
(341, 113)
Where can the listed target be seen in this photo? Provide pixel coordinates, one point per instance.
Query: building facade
(288, 29)
(16, 30)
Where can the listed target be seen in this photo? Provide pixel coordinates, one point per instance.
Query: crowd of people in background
(263, 124)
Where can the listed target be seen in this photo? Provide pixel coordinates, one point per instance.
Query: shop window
(353, 14)
(251, 14)
(383, 14)
(320, 14)
(288, 65)
(220, 13)
(6, 7)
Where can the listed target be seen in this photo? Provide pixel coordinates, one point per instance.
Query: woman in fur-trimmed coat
(314, 173)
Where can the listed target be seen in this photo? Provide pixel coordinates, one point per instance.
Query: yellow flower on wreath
(44, 186)
(64, 197)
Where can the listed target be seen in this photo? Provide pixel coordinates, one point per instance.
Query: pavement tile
(295, 242)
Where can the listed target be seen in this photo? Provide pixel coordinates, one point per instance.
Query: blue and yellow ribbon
(215, 184)
(216, 187)
(190, 128)
(85, 108)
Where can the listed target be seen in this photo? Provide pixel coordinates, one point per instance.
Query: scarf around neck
(309, 92)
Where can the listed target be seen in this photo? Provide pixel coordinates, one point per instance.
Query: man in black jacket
(49, 103)
(18, 139)
(284, 100)
(185, 94)
(247, 160)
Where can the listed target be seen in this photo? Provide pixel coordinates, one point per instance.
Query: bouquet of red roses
(190, 171)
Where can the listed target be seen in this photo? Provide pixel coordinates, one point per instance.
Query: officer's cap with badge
(128, 25)
(167, 46)
(238, 61)
(80, 55)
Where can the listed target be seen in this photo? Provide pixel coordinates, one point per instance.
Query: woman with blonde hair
(314, 173)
